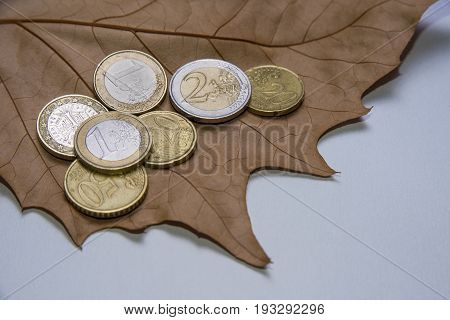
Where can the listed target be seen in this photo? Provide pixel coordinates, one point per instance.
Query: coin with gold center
(130, 81)
(60, 118)
(210, 90)
(112, 142)
(275, 90)
(174, 138)
(104, 196)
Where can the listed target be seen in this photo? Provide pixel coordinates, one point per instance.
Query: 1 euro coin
(112, 142)
(130, 81)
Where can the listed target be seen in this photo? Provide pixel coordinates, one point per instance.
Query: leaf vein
(58, 54)
(215, 211)
(26, 130)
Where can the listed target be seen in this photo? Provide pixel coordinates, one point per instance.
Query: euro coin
(174, 138)
(104, 196)
(130, 81)
(275, 90)
(112, 142)
(210, 90)
(60, 118)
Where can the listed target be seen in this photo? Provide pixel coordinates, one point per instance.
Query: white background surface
(378, 230)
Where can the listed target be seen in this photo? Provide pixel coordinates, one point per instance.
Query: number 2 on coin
(201, 80)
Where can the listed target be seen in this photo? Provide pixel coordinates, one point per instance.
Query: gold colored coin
(104, 196)
(174, 138)
(130, 81)
(60, 118)
(112, 142)
(275, 90)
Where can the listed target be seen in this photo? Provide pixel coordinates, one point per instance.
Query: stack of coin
(107, 179)
(133, 82)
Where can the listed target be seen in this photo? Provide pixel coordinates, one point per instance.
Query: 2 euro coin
(210, 90)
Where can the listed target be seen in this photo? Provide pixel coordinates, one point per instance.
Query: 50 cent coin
(104, 196)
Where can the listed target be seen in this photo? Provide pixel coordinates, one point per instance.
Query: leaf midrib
(178, 33)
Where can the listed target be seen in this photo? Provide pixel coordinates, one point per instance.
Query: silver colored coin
(210, 90)
(60, 118)
(130, 81)
(112, 142)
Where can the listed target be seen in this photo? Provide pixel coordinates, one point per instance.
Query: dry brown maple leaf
(50, 48)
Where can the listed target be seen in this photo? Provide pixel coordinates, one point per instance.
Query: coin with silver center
(112, 142)
(130, 81)
(210, 90)
(60, 118)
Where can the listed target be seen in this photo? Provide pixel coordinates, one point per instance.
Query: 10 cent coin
(210, 90)
(112, 142)
(60, 118)
(130, 81)
(174, 138)
(276, 90)
(104, 196)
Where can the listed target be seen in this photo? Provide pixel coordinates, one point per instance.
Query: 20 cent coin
(276, 90)
(174, 138)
